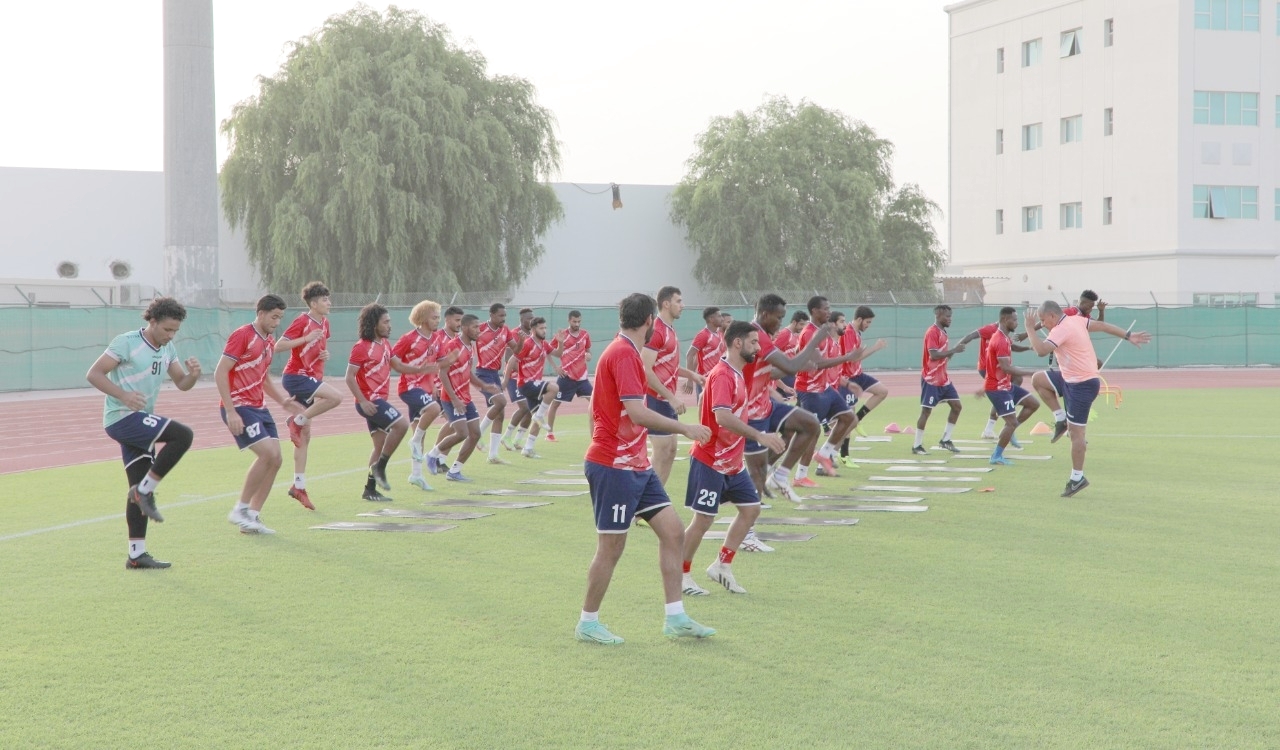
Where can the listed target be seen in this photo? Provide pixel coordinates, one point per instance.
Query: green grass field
(1141, 613)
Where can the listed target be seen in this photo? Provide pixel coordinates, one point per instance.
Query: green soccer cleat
(681, 626)
(596, 632)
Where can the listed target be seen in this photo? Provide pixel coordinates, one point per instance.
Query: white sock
(241, 505)
(541, 413)
(802, 471)
(589, 616)
(148, 485)
(485, 424)
(1076, 476)
(419, 436)
(495, 441)
(782, 475)
(520, 435)
(991, 426)
(301, 420)
(1060, 415)
(434, 452)
(510, 433)
(416, 468)
(254, 514)
(946, 431)
(528, 444)
(456, 468)
(675, 608)
(919, 438)
(300, 481)
(827, 450)
(136, 548)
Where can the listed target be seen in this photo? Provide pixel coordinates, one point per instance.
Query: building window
(1032, 218)
(1106, 211)
(1107, 128)
(1072, 215)
(1225, 108)
(1031, 53)
(1031, 137)
(1000, 59)
(999, 141)
(1224, 202)
(1108, 32)
(1072, 129)
(1228, 15)
(1070, 44)
(1228, 299)
(1000, 219)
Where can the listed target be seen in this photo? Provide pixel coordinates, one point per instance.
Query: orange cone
(892, 429)
(1041, 429)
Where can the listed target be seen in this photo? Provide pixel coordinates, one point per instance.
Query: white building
(1129, 146)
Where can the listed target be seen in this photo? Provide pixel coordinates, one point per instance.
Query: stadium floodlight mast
(190, 155)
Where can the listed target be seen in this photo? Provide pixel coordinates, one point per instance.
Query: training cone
(908, 430)
(892, 429)
(1041, 429)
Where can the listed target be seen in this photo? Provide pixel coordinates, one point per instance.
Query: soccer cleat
(1074, 486)
(295, 432)
(551, 437)
(506, 443)
(919, 450)
(822, 472)
(722, 575)
(541, 422)
(456, 476)
(804, 482)
(528, 453)
(420, 483)
(858, 429)
(783, 489)
(690, 588)
(433, 465)
(826, 465)
(256, 526)
(145, 562)
(380, 476)
(1000, 461)
(415, 451)
(596, 632)
(765, 506)
(301, 496)
(681, 626)
(146, 501)
(1059, 429)
(948, 445)
(239, 517)
(1013, 442)
(373, 496)
(752, 543)
(848, 463)
(988, 435)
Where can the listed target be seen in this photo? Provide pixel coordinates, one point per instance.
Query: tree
(802, 195)
(382, 157)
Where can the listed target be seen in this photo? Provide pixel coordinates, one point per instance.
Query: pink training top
(1076, 357)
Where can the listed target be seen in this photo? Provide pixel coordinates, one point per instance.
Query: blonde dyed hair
(418, 315)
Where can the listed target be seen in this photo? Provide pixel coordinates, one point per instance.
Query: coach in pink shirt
(1069, 340)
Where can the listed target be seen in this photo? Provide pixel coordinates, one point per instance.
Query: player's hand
(773, 441)
(234, 422)
(959, 348)
(1032, 319)
(193, 367)
(1138, 338)
(697, 433)
(687, 387)
(493, 389)
(678, 405)
(134, 401)
(1022, 336)
(826, 331)
(314, 336)
(880, 344)
(368, 408)
(324, 355)
(1102, 306)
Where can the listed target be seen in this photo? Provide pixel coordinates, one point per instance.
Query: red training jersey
(811, 380)
(726, 388)
(616, 441)
(784, 340)
(759, 377)
(532, 360)
(374, 360)
(459, 373)
(934, 371)
(984, 340)
(573, 358)
(665, 342)
(305, 359)
(1000, 346)
(850, 341)
(709, 347)
(491, 344)
(252, 353)
(417, 349)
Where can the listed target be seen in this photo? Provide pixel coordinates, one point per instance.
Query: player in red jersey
(707, 346)
(847, 375)
(528, 368)
(520, 422)
(494, 343)
(1006, 396)
(935, 384)
(984, 339)
(785, 340)
(369, 380)
(860, 382)
(573, 349)
(459, 409)
(623, 485)
(716, 472)
(242, 376)
(306, 339)
(420, 347)
(661, 356)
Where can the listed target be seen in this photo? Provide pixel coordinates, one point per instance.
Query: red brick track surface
(43, 429)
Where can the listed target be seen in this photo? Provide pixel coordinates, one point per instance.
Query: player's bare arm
(222, 378)
(804, 359)
(1006, 364)
(285, 345)
(649, 358)
(97, 377)
(1137, 338)
(365, 404)
(649, 419)
(771, 440)
(185, 379)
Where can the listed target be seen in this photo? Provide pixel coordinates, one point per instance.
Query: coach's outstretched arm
(1137, 338)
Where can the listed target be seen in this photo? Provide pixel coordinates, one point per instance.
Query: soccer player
(420, 347)
(494, 344)
(860, 382)
(459, 409)
(851, 342)
(369, 380)
(935, 384)
(243, 374)
(528, 368)
(306, 339)
(984, 338)
(716, 472)
(1069, 339)
(662, 369)
(1006, 396)
(623, 485)
(816, 391)
(707, 347)
(573, 349)
(520, 422)
(130, 372)
(786, 341)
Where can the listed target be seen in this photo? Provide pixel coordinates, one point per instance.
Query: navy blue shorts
(417, 400)
(137, 434)
(932, 395)
(850, 396)
(532, 392)
(470, 413)
(1006, 402)
(493, 378)
(618, 495)
(569, 388)
(789, 380)
(1059, 385)
(301, 387)
(383, 418)
(259, 425)
(1080, 397)
(825, 406)
(663, 408)
(863, 381)
(771, 423)
(708, 488)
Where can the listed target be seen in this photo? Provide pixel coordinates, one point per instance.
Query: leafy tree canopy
(802, 196)
(382, 157)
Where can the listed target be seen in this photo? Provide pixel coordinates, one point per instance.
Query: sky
(631, 84)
